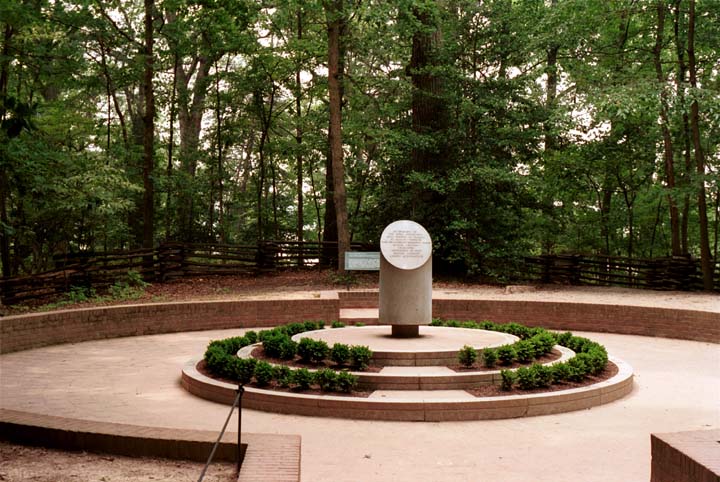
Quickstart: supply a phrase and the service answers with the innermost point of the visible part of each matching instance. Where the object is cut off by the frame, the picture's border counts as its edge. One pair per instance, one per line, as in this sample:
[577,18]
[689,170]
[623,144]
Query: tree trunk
[149,130]
[667,138]
[705,260]
[4,184]
[334,15]
[298,140]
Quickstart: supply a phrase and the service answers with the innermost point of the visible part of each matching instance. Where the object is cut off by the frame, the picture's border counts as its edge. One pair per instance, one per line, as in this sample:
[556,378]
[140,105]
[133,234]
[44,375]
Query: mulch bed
[259,353]
[202,368]
[494,390]
[482,391]
[550,357]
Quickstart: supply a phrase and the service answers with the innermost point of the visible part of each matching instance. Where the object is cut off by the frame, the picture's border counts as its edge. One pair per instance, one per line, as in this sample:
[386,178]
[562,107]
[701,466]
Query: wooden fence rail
[99,270]
[671,273]
[174,260]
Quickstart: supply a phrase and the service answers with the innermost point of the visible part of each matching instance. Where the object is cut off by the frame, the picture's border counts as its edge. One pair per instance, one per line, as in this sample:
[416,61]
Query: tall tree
[335,13]
[705,257]
[149,129]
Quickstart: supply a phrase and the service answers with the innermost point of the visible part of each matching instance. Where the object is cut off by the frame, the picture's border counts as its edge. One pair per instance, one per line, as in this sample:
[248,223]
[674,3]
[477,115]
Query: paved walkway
[136,381]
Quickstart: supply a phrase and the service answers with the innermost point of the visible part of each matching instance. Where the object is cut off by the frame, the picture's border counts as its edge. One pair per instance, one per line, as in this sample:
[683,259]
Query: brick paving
[135,381]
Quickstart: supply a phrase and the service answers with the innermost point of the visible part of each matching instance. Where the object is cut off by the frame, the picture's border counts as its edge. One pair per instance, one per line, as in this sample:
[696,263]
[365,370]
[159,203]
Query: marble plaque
[405,244]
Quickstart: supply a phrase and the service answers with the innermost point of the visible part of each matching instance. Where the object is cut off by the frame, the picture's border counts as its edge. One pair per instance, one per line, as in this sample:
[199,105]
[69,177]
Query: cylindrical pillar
[405,278]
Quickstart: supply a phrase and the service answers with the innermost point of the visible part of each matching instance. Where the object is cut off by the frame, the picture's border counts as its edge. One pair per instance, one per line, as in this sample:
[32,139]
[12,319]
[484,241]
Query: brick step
[352,316]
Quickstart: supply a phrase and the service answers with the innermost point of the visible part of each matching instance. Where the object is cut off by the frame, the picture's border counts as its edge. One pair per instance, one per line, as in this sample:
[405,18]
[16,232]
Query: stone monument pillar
[405,278]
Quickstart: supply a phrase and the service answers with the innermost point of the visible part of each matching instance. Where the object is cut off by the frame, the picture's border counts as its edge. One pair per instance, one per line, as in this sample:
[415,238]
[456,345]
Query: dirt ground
[21,463]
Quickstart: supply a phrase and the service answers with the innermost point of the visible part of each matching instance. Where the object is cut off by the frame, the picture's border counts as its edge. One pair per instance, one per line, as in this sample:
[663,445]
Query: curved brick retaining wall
[35,330]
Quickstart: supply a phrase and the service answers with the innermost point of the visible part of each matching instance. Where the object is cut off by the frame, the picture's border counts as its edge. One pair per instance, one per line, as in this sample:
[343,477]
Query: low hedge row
[278,343]
[533,343]
[590,358]
[221,359]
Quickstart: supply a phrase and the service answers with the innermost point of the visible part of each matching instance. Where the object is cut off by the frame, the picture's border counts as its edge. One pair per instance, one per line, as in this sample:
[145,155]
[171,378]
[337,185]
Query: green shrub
[577,368]
[303,378]
[291,329]
[543,375]
[314,325]
[488,325]
[526,378]
[560,372]
[326,379]
[360,356]
[288,349]
[283,375]
[359,324]
[517,329]
[508,378]
[437,322]
[452,323]
[244,369]
[337,324]
[251,337]
[217,362]
[264,373]
[346,382]
[470,325]
[597,359]
[312,351]
[506,354]
[320,351]
[525,351]
[467,356]
[490,357]
[563,339]
[543,342]
[305,349]
[340,353]
[273,342]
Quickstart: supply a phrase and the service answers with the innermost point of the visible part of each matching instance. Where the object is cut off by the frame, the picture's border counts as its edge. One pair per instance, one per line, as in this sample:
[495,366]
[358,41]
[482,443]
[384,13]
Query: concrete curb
[414,409]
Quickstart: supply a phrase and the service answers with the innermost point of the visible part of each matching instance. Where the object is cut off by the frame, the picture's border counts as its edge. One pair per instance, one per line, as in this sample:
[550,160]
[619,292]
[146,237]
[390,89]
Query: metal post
[240,392]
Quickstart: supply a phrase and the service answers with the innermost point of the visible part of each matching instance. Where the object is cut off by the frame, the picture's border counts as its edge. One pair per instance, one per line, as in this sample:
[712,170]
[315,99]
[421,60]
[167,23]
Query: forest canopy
[507,128]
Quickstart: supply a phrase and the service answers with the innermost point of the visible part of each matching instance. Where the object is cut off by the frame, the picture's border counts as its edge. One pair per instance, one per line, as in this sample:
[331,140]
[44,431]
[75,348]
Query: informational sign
[405,244]
[362,261]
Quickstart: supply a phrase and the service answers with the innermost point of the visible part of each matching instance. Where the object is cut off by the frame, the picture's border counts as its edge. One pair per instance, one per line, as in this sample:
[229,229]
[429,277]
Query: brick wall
[686,456]
[41,329]
[23,332]
[627,320]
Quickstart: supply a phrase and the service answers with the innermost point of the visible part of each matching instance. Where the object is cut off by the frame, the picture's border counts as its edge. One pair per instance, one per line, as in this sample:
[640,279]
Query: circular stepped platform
[436,345]
[415,392]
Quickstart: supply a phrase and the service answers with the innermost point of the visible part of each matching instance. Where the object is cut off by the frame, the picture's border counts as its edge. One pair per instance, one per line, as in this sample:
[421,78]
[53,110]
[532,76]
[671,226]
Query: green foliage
[490,357]
[303,378]
[360,356]
[346,382]
[525,351]
[273,343]
[326,379]
[340,353]
[337,324]
[506,354]
[251,336]
[264,373]
[526,378]
[244,369]
[312,351]
[508,379]
[543,375]
[283,375]
[543,343]
[288,349]
[467,356]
